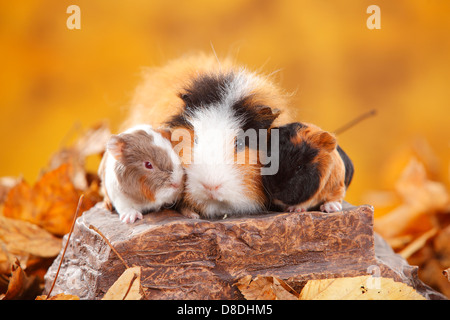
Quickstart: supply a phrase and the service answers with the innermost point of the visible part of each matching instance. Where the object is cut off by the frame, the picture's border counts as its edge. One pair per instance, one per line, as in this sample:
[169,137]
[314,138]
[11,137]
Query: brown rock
[185,258]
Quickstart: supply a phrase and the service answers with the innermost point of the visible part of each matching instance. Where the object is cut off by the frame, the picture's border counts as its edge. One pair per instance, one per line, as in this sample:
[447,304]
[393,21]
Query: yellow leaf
[358,288]
[126,287]
[420,196]
[59,296]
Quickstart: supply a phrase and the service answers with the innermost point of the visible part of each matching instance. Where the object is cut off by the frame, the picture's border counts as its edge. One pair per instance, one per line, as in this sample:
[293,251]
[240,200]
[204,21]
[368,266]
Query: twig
[355,121]
[129,286]
[117,253]
[80,200]
[109,244]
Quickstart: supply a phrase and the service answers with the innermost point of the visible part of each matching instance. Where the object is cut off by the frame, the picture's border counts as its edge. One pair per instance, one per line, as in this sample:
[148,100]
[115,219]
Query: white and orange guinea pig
[314,172]
[206,104]
[140,172]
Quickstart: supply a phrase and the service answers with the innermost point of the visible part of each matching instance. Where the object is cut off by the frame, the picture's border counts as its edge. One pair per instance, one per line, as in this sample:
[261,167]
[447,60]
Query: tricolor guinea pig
[140,172]
[208,105]
[314,172]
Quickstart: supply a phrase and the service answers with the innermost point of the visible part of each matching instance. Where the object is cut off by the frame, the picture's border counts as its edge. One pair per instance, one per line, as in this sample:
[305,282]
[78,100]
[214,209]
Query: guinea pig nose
[175,185]
[211,187]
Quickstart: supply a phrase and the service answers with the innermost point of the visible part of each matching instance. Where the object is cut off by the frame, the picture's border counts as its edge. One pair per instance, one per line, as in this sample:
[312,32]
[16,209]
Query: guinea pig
[140,172]
[314,172]
[210,107]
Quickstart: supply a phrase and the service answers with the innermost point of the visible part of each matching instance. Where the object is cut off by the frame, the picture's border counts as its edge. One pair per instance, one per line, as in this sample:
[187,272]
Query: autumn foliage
[34,218]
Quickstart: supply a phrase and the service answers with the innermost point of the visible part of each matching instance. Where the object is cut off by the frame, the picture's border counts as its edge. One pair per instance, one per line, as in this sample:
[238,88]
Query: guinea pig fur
[313,173]
[140,172]
[207,104]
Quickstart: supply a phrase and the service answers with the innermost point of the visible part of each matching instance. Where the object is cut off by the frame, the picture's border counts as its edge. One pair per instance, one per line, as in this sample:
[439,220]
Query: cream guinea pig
[140,172]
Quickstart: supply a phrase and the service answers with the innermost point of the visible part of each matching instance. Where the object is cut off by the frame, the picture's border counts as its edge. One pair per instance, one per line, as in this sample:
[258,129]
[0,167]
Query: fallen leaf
[420,196]
[20,285]
[50,203]
[441,246]
[265,288]
[23,237]
[418,243]
[430,272]
[59,296]
[6,183]
[358,288]
[91,142]
[127,287]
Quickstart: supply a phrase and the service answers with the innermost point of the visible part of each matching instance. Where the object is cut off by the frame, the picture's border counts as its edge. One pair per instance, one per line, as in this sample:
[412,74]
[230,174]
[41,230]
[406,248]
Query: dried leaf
[21,237]
[6,183]
[91,142]
[420,196]
[431,273]
[418,243]
[358,288]
[50,203]
[20,285]
[59,296]
[441,246]
[126,287]
[265,288]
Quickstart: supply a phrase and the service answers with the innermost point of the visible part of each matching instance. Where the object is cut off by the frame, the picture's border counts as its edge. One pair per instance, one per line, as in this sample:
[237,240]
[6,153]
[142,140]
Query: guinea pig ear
[166,133]
[115,146]
[325,140]
[267,115]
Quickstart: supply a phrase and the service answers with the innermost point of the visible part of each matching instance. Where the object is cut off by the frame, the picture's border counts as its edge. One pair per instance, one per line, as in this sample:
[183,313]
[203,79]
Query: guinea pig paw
[297,209]
[332,206]
[190,213]
[131,216]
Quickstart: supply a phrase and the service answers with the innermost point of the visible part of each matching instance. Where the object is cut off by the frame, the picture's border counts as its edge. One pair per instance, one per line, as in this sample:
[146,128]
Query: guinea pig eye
[239,144]
[184,97]
[148,165]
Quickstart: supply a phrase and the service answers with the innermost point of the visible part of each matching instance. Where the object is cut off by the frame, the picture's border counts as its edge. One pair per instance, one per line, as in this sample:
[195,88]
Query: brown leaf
[431,273]
[265,288]
[441,246]
[126,287]
[23,237]
[20,285]
[91,142]
[420,196]
[358,288]
[50,203]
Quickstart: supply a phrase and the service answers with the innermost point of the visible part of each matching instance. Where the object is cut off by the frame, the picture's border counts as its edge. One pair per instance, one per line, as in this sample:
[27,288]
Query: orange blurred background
[54,81]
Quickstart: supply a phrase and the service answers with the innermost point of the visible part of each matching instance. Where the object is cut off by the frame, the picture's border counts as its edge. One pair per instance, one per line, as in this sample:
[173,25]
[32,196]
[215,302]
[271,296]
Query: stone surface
[185,258]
